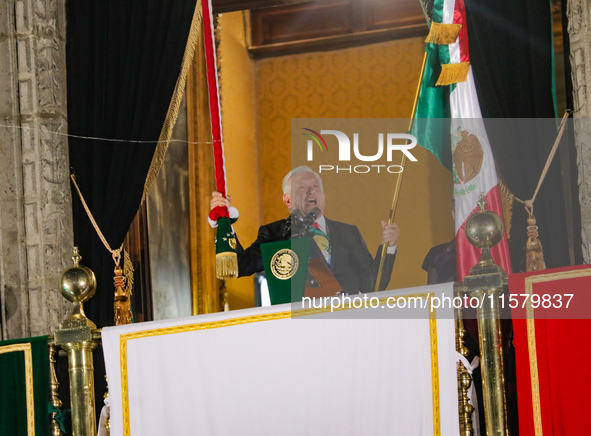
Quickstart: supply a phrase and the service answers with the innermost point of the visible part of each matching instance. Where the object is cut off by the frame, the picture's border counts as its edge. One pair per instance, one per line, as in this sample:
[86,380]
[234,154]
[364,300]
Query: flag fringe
[453,73]
[441,33]
[128,272]
[226,265]
[175,102]
[507,201]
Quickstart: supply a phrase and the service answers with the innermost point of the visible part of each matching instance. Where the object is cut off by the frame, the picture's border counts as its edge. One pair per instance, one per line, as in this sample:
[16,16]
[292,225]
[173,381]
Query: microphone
[296,213]
[311,217]
[292,221]
[298,226]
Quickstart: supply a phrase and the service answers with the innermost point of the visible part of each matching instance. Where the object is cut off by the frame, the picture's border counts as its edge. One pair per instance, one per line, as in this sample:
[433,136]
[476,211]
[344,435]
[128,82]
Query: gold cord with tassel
[534,254]
[122,306]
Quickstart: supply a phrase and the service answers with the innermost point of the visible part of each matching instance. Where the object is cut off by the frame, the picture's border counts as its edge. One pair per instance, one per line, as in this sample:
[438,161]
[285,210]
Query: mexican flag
[448,123]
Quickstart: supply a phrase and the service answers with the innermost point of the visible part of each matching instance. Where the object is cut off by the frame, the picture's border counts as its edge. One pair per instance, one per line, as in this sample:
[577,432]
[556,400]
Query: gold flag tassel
[226,265]
[534,254]
[453,73]
[226,260]
[440,33]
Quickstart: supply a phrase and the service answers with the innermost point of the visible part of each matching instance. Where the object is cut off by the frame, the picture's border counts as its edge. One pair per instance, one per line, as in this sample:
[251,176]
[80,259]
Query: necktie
[322,240]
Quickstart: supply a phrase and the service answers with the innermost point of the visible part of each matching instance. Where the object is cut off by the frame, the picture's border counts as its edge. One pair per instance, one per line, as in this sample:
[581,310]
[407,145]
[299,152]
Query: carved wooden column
[579,13]
[36,235]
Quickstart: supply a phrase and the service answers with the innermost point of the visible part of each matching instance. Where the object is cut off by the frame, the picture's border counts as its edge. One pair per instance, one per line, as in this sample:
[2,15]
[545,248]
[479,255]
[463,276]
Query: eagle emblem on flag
[467,156]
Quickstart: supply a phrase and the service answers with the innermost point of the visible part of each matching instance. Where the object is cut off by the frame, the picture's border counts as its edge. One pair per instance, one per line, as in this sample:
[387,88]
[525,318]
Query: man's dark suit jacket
[351,262]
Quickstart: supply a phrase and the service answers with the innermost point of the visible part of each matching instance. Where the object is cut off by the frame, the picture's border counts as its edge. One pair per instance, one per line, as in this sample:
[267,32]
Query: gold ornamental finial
[77,284]
[76,258]
[484,230]
[482,202]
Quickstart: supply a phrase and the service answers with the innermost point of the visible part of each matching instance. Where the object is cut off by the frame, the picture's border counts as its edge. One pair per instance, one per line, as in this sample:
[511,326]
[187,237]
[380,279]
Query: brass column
[53,387]
[465,409]
[486,282]
[81,370]
[78,336]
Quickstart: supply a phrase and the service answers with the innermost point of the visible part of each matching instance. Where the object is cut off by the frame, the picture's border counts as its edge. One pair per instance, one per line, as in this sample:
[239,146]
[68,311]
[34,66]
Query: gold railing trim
[534,377]
[271,317]
[435,373]
[28,381]
[531,338]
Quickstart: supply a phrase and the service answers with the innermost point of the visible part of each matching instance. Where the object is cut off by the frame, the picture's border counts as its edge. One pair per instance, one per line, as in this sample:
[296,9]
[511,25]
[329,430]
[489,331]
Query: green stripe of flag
[431,124]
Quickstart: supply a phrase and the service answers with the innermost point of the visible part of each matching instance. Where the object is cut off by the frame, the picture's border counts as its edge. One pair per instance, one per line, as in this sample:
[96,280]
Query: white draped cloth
[263,372]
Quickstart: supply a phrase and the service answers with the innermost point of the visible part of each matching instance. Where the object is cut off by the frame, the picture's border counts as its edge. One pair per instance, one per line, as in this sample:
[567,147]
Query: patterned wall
[375,81]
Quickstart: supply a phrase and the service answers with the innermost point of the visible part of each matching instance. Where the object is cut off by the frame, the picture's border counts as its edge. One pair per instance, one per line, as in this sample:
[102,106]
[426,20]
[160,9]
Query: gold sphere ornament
[484,229]
[77,284]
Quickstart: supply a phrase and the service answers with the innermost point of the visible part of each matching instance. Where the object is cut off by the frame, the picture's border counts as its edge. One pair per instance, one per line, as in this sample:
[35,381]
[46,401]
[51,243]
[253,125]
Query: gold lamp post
[78,336]
[484,229]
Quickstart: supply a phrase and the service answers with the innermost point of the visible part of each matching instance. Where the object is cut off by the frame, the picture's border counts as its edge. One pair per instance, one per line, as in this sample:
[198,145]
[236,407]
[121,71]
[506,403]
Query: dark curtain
[511,53]
[123,60]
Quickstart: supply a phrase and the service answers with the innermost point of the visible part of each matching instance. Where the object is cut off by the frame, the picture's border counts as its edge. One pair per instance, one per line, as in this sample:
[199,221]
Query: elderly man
[340,245]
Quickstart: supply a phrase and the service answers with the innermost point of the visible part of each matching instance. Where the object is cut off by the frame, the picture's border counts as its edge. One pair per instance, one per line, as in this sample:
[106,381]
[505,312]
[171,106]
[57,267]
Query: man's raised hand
[390,233]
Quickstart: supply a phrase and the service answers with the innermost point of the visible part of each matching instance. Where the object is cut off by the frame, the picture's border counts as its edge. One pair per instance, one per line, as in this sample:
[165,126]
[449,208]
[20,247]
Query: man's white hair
[302,169]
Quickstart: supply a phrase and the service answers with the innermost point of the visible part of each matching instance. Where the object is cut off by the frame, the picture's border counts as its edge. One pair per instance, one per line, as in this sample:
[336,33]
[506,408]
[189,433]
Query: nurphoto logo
[394,142]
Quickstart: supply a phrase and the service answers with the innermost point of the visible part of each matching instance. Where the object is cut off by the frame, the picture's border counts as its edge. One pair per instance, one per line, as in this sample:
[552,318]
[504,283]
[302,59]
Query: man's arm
[386,269]
[218,200]
[352,263]
[250,260]
[390,234]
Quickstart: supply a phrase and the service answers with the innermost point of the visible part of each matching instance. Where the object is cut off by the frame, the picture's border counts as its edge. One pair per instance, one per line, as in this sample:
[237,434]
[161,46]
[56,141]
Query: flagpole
[399,178]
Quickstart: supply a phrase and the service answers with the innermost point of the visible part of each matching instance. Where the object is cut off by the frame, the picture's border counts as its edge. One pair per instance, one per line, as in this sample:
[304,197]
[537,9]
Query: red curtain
[553,354]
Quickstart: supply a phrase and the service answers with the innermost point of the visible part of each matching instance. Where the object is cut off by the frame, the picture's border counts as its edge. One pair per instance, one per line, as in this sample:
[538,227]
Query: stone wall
[578,13]
[36,234]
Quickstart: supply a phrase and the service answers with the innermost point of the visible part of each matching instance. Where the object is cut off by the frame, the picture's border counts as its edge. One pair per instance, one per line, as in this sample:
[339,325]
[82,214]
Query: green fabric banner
[431,123]
[431,118]
[24,387]
[286,267]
